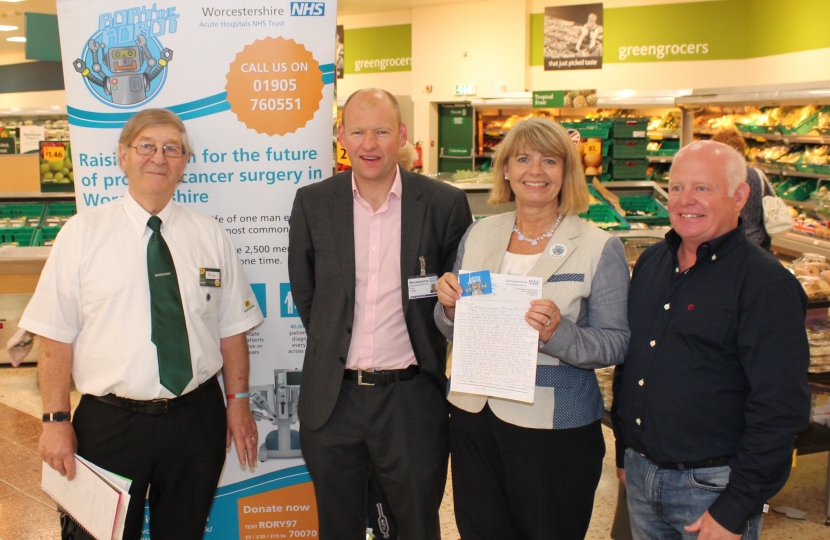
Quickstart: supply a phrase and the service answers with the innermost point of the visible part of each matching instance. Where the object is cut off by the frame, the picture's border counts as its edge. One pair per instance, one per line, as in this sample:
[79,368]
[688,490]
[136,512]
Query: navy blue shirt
[716,367]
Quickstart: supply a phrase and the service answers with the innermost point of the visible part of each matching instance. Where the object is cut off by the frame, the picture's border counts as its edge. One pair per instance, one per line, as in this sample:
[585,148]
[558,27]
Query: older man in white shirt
[142,302]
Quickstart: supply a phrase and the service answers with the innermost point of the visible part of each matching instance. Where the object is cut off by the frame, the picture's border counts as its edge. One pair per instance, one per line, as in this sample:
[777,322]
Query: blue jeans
[661,502]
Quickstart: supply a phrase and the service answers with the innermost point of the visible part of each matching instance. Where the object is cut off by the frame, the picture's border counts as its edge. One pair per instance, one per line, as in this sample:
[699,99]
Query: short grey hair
[154,118]
[735,169]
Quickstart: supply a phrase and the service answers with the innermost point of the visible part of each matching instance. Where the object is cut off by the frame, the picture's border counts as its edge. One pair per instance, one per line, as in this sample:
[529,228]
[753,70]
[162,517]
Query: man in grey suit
[374,374]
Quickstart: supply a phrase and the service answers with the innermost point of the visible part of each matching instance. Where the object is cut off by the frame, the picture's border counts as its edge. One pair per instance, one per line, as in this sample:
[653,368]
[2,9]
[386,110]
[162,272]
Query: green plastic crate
[46,236]
[798,190]
[592,130]
[629,148]
[805,167]
[20,236]
[629,128]
[802,128]
[669,147]
[32,213]
[764,130]
[605,215]
[600,198]
[644,204]
[629,169]
[784,184]
[63,211]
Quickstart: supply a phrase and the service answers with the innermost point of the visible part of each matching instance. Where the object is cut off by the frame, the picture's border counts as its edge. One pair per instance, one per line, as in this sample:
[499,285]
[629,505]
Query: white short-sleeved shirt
[94,293]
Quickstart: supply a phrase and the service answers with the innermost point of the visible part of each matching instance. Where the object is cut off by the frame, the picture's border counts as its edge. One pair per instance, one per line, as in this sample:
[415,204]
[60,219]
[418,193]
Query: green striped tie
[169,329]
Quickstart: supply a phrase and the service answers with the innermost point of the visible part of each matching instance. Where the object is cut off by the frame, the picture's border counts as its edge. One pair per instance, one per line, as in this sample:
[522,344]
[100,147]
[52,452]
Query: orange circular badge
[274,86]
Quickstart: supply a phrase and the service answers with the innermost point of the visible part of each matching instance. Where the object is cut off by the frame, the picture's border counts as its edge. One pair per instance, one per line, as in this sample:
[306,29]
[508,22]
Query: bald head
[721,160]
[707,191]
[369,98]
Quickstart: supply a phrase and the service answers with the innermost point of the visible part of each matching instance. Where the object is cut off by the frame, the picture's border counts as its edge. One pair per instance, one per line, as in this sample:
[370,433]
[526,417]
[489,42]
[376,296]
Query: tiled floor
[26,513]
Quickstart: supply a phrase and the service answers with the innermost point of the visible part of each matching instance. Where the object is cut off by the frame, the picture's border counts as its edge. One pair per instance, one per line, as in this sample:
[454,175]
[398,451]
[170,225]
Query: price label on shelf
[274,86]
[593,148]
[54,153]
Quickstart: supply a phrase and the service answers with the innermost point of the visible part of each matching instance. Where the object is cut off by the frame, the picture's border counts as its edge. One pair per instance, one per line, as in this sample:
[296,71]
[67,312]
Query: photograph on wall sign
[573,37]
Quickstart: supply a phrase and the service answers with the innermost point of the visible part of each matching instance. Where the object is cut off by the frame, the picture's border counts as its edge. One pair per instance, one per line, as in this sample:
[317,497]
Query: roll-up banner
[254,84]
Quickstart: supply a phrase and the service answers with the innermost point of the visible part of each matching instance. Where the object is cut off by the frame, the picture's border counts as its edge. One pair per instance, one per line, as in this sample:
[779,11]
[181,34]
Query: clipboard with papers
[96,499]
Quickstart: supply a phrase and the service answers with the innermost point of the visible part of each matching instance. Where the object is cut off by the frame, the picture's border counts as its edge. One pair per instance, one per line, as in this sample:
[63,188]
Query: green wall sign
[716,30]
[379,49]
[549,99]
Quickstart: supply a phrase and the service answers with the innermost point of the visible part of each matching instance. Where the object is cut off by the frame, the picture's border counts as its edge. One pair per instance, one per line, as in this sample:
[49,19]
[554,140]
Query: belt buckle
[165,402]
[360,377]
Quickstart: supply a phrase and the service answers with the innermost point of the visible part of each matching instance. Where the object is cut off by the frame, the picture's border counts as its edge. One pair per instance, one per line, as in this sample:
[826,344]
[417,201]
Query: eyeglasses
[150,150]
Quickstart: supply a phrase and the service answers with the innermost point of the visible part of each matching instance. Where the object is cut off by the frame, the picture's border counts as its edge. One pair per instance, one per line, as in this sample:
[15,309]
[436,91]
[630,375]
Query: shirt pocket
[200,300]
[706,324]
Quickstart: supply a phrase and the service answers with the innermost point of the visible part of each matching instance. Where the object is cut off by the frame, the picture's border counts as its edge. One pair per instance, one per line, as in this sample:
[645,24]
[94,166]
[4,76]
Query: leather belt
[685,465]
[369,377]
[157,406]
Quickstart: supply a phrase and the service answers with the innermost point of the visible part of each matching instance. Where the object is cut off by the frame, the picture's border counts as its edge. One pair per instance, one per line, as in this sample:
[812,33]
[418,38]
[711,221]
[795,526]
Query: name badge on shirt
[424,285]
[210,277]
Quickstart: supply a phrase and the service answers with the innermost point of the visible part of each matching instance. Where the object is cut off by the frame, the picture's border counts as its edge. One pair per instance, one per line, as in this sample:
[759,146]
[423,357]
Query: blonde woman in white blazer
[530,470]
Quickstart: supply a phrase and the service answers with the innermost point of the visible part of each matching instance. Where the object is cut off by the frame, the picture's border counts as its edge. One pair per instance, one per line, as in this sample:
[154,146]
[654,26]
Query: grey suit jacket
[321,265]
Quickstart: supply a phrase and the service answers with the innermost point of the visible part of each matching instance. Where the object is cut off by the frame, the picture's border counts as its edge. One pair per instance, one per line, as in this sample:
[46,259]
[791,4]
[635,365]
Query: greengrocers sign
[710,30]
[378,49]
[675,32]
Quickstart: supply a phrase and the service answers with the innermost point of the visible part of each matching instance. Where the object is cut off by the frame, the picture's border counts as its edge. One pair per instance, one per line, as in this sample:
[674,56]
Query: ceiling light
[18,39]
[4,28]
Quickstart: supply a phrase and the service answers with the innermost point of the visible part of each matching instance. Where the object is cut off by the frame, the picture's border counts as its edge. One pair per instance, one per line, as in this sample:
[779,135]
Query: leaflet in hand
[96,498]
[494,349]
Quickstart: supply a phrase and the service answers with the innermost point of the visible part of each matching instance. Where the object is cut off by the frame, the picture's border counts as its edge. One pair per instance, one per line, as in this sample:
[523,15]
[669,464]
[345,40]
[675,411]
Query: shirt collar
[712,248]
[139,216]
[397,186]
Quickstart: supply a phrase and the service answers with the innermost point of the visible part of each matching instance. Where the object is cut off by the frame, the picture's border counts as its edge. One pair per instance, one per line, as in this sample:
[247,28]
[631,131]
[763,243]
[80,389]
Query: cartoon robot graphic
[475,286]
[127,85]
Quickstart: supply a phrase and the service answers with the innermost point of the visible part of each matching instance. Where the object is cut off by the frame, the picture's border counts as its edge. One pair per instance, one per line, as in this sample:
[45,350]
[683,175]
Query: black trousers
[399,430]
[379,517]
[179,455]
[515,482]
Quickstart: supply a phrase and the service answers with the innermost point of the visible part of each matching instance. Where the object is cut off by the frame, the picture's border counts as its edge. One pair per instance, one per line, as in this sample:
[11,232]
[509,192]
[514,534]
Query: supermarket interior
[464,72]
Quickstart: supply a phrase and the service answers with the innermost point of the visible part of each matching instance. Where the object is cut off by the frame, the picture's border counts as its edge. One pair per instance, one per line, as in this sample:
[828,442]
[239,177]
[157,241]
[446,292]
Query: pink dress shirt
[379,336]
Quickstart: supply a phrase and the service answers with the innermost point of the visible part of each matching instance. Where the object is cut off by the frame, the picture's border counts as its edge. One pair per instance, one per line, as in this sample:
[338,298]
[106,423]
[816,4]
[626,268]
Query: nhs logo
[308,9]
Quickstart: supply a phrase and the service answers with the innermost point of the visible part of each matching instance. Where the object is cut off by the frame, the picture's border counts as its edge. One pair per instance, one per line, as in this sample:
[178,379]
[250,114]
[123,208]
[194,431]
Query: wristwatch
[57,417]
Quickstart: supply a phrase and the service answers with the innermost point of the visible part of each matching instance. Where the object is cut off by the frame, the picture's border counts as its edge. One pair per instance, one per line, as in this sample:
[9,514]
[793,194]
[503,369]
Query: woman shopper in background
[753,213]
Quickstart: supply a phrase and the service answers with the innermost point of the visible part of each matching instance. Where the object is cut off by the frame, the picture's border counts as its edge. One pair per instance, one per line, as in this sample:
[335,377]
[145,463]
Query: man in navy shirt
[714,385]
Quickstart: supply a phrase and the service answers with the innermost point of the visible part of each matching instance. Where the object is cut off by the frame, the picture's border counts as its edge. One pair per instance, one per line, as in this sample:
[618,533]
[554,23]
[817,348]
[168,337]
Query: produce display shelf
[9,196]
[799,139]
[660,159]
[657,135]
[771,171]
